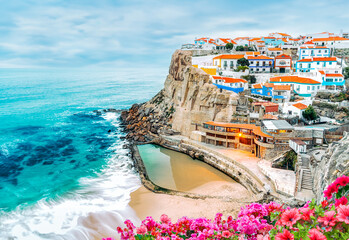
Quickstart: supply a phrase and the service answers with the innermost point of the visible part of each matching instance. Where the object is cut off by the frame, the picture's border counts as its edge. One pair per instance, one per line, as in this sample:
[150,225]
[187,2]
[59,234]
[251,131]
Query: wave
[97,206]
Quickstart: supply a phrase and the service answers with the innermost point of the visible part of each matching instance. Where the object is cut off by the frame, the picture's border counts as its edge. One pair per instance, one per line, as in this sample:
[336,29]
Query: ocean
[60,160]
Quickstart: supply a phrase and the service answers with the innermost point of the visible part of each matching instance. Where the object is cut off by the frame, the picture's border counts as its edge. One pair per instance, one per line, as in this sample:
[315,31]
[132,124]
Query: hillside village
[293,94]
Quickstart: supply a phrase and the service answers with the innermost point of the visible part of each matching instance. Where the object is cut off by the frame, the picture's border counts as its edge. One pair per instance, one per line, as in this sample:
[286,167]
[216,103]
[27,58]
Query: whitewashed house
[304,87]
[298,145]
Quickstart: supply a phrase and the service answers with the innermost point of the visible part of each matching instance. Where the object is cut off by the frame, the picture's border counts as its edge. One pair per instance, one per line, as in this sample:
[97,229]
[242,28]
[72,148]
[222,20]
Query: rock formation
[188,98]
[334,163]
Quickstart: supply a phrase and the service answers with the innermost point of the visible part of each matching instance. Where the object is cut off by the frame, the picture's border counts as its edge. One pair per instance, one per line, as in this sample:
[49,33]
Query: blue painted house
[278,93]
[236,85]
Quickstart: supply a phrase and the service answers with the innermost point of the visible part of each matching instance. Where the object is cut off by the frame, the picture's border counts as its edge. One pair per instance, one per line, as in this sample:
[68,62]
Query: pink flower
[142,230]
[109,238]
[328,219]
[315,234]
[286,235]
[307,213]
[342,201]
[261,237]
[226,234]
[343,214]
[290,217]
[165,219]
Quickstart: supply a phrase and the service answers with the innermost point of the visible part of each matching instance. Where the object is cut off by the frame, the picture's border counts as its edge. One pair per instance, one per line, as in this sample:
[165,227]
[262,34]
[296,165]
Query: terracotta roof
[319,59]
[334,75]
[270,116]
[256,130]
[252,53]
[269,85]
[309,42]
[257,86]
[330,39]
[274,49]
[284,34]
[283,56]
[282,87]
[298,141]
[300,106]
[322,72]
[229,56]
[259,57]
[233,80]
[293,79]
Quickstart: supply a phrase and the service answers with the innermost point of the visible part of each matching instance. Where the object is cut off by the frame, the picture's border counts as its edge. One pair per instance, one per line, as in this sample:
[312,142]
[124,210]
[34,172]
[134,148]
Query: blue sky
[131,33]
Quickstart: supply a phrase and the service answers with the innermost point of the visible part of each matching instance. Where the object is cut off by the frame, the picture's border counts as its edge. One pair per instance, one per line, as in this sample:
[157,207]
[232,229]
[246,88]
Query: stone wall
[333,164]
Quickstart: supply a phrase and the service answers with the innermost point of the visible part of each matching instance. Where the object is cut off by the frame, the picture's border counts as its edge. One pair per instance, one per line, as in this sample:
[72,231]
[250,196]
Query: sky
[133,33]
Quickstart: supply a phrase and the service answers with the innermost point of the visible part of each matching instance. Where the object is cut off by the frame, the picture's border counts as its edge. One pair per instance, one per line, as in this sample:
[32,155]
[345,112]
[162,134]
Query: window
[318,63]
[336,80]
[309,65]
[300,65]
[308,88]
[319,51]
[318,87]
[325,51]
[313,88]
[263,69]
[257,69]
[303,51]
[330,63]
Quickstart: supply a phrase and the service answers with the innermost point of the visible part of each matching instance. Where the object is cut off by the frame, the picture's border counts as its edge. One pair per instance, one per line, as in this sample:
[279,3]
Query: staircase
[306,179]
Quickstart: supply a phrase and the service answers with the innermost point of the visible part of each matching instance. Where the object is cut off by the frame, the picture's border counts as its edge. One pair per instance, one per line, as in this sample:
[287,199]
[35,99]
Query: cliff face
[334,163]
[188,98]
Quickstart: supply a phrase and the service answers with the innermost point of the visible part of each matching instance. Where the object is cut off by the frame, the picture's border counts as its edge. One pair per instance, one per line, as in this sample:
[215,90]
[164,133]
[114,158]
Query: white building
[298,145]
[314,64]
[313,51]
[227,61]
[304,87]
[283,63]
[332,42]
[236,85]
[272,52]
[293,109]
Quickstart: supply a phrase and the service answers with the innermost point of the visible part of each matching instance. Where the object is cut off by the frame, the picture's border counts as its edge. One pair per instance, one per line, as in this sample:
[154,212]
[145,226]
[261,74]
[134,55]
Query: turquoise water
[53,146]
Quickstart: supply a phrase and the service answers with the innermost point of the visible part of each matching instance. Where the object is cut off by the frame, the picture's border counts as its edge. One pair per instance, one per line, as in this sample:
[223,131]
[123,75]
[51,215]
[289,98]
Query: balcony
[263,144]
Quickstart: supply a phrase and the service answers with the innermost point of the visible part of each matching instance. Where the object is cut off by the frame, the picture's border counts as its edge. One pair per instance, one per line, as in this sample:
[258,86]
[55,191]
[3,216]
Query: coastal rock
[333,164]
[187,100]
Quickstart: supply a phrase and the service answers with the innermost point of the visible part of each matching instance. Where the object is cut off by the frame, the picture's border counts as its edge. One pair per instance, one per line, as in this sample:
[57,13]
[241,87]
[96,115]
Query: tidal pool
[177,171]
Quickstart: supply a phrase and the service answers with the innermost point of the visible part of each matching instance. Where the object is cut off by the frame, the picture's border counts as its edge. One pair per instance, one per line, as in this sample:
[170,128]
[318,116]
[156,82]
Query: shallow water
[60,160]
[178,171]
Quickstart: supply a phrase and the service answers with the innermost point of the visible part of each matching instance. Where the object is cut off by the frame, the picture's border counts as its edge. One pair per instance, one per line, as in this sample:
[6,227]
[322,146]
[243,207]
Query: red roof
[274,49]
[319,59]
[293,79]
[322,72]
[282,87]
[265,104]
[229,56]
[259,57]
[330,39]
[334,75]
[257,86]
[300,106]
[282,56]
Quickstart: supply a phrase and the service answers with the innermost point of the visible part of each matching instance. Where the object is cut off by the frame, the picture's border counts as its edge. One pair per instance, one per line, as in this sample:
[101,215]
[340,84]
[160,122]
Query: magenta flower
[290,217]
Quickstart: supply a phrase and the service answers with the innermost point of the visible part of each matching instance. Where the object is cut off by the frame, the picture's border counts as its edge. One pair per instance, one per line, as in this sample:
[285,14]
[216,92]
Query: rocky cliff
[187,99]
[333,164]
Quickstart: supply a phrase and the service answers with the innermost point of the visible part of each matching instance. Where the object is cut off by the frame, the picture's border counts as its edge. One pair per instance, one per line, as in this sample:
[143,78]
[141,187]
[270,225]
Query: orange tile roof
[229,56]
[293,79]
[269,85]
[309,42]
[330,39]
[252,53]
[300,106]
[255,129]
[257,86]
[274,49]
[322,72]
[311,47]
[334,75]
[270,116]
[284,34]
[319,59]
[233,80]
[282,87]
[259,57]
[283,56]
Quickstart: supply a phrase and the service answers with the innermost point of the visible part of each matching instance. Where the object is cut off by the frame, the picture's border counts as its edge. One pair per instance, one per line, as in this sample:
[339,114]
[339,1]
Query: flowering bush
[328,220]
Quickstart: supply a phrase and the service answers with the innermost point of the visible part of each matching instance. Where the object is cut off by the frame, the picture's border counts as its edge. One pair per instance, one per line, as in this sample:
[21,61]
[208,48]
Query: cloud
[87,33]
